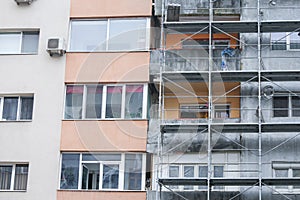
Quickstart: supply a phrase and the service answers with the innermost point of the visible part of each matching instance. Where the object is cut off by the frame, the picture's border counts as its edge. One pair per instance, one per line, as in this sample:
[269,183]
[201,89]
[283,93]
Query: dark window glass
[280,106]
[203,173]
[188,172]
[134,101]
[114,102]
[74,97]
[195,44]
[296,106]
[10,108]
[101,157]
[281,173]
[69,171]
[278,41]
[294,41]
[5,177]
[110,176]
[30,42]
[133,172]
[93,102]
[21,176]
[26,108]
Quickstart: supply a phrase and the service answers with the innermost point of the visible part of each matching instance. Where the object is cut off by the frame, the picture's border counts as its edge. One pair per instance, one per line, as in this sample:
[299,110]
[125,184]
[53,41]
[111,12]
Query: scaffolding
[220,127]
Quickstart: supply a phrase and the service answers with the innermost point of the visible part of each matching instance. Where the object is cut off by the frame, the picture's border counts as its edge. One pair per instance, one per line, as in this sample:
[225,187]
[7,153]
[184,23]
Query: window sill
[3,121]
[289,117]
[111,119]
[17,54]
[112,190]
[13,190]
[110,51]
[285,192]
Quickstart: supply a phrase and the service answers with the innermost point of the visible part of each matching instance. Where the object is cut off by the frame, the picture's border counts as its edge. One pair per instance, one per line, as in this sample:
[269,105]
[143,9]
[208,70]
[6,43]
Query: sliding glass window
[130,34]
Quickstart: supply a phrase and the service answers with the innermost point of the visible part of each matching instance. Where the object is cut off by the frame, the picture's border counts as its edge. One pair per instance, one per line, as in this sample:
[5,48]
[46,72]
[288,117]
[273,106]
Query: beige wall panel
[110,8]
[104,135]
[80,195]
[107,67]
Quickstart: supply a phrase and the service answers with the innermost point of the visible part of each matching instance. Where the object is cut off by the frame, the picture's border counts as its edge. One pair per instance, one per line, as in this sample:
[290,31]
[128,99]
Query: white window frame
[287,39]
[290,108]
[104,98]
[196,175]
[101,163]
[13,174]
[18,107]
[290,188]
[214,110]
[19,50]
[147,35]
[121,164]
[204,47]
[201,105]
[194,106]
[216,46]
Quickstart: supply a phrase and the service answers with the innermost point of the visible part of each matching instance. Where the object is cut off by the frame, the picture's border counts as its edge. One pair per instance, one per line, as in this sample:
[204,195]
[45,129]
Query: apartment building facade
[104,130]
[163,99]
[89,140]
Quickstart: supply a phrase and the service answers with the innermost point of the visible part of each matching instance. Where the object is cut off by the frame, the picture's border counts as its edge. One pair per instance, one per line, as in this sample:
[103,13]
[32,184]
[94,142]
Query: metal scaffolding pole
[159,137]
[209,136]
[259,99]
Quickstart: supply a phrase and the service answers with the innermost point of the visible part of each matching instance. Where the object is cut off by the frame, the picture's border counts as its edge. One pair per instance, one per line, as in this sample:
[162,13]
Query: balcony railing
[195,60]
[191,60]
[199,7]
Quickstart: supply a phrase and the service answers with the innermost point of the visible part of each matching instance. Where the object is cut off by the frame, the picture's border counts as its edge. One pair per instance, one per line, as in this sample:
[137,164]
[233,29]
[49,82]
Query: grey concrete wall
[270,12]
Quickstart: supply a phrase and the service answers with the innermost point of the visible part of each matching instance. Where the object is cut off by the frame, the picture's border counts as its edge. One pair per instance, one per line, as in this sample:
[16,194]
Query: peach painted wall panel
[110,8]
[107,67]
[172,105]
[91,195]
[104,135]
[174,40]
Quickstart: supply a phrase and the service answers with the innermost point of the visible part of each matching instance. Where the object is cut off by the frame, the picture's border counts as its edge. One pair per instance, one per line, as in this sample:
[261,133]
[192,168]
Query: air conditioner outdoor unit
[56,46]
[28,2]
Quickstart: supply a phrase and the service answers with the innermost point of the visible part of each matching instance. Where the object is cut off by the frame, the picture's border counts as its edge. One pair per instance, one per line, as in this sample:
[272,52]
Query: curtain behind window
[10,108]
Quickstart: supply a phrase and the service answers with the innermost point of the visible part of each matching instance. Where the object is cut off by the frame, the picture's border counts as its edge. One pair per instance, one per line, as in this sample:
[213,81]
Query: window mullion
[101,176]
[18,109]
[290,175]
[104,96]
[107,34]
[148,25]
[84,100]
[80,172]
[145,101]
[290,106]
[64,103]
[122,172]
[60,170]
[123,102]
[21,41]
[69,38]
[288,44]
[12,182]
[143,170]
[1,107]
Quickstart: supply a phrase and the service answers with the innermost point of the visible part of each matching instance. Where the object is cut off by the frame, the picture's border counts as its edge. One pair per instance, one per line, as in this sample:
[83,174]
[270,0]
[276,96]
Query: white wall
[36,142]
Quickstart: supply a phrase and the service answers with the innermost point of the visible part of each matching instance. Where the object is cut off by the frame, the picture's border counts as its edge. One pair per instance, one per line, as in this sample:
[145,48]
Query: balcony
[185,60]
[186,10]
